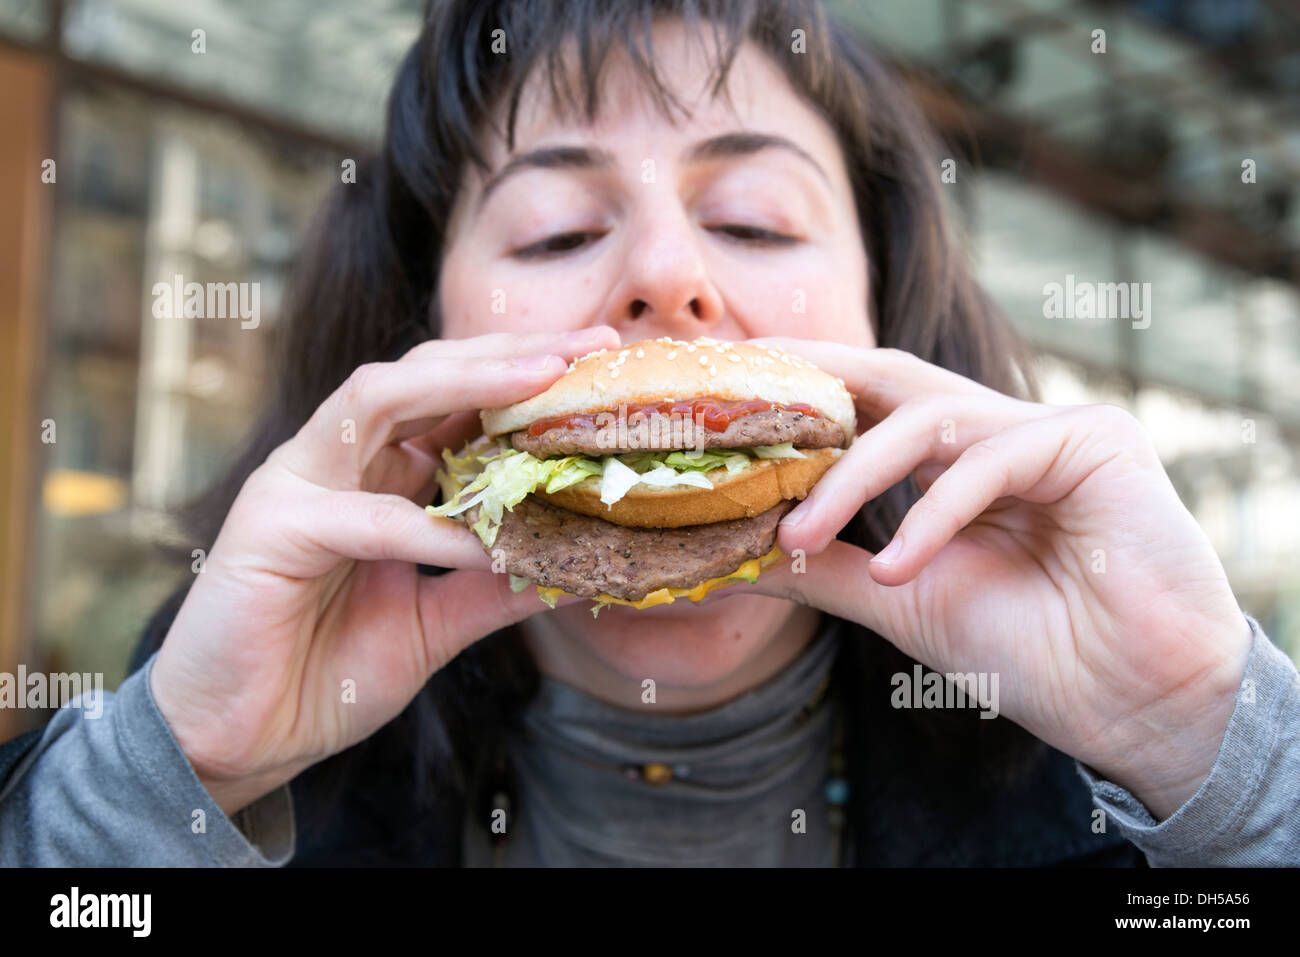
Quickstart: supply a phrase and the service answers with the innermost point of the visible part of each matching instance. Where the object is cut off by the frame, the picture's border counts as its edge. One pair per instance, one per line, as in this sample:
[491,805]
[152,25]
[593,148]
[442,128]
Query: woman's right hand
[309,627]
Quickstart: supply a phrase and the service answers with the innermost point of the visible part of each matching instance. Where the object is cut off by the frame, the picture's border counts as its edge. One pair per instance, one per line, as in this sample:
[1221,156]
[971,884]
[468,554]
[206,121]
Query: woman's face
[736,223]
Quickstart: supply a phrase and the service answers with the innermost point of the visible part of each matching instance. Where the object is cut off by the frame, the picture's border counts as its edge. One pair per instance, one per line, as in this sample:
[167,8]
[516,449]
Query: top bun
[657,370]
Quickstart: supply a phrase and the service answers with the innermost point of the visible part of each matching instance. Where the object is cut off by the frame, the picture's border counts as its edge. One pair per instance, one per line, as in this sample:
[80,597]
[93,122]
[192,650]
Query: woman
[556,178]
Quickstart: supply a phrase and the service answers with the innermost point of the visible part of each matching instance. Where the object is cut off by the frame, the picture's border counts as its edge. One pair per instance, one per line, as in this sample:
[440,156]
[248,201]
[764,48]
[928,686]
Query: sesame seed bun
[744,494]
[656,370]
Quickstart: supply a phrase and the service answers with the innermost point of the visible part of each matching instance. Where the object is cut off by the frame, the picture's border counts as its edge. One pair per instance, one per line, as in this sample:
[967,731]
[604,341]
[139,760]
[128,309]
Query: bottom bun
[744,494]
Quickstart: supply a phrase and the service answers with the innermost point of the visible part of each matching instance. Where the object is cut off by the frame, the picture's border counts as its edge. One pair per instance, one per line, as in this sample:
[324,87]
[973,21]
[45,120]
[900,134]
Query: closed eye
[562,243]
[557,245]
[753,235]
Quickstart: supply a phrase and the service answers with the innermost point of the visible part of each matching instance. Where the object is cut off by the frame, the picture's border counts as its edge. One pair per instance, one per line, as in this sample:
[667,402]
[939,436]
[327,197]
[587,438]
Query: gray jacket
[117,790]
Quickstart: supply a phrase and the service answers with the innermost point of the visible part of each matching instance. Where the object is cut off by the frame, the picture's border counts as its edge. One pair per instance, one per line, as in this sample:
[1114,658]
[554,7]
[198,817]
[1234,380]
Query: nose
[666,288]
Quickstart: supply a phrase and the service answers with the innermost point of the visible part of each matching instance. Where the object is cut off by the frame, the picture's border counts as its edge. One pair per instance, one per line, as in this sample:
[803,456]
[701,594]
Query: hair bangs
[487,61]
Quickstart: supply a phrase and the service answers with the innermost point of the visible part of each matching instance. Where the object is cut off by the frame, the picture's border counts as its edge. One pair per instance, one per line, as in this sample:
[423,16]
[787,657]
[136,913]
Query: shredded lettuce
[666,477]
[617,481]
[492,475]
[577,470]
[703,462]
[506,479]
[785,450]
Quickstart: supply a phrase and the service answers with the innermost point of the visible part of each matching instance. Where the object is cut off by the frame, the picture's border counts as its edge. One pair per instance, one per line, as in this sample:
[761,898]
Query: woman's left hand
[1049,547]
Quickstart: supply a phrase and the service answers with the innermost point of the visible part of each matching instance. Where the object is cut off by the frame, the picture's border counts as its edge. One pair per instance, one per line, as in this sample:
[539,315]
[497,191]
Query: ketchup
[716,413]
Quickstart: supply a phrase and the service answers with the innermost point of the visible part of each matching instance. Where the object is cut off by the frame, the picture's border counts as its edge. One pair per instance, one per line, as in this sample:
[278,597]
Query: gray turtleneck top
[118,790]
[748,785]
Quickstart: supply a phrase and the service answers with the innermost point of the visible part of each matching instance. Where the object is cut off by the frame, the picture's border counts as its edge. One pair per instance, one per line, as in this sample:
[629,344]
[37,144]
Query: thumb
[459,608]
[838,581]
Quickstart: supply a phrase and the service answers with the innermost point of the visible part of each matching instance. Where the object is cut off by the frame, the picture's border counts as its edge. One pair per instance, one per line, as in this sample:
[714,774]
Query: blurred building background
[1162,150]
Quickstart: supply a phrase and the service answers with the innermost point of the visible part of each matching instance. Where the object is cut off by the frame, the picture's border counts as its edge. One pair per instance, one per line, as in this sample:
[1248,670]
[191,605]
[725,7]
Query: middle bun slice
[744,494]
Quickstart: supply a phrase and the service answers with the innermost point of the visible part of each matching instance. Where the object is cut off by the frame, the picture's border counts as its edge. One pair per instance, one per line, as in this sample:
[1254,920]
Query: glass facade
[325,65]
[150,406]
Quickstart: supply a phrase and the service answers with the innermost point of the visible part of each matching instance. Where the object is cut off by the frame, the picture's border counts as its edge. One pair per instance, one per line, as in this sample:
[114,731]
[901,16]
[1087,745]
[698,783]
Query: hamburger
[649,473]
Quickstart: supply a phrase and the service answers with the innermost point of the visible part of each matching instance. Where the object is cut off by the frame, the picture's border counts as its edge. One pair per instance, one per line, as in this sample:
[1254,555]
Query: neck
[568,659]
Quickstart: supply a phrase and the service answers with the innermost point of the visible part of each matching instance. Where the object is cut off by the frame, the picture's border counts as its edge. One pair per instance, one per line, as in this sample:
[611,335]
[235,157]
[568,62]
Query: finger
[926,474]
[880,380]
[348,430]
[409,468]
[838,581]
[451,433]
[385,402]
[509,345]
[464,606]
[935,429]
[1036,462]
[464,420]
[404,469]
[501,345]
[375,527]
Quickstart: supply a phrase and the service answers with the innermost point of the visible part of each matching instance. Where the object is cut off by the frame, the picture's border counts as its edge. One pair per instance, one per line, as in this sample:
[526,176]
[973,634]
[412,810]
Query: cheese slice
[666,596]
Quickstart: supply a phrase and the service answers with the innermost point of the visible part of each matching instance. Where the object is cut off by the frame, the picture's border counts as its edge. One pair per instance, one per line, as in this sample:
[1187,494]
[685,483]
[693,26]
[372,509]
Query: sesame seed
[690,347]
[625,353]
[640,353]
[614,374]
[734,358]
[601,386]
[671,355]
[773,353]
[713,370]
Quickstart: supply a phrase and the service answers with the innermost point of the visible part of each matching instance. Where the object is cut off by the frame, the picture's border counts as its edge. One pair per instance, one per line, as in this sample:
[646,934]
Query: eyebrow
[732,145]
[726,146]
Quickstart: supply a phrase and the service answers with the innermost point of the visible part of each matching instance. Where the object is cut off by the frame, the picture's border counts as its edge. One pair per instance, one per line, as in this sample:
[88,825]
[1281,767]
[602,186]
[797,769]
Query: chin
[682,645]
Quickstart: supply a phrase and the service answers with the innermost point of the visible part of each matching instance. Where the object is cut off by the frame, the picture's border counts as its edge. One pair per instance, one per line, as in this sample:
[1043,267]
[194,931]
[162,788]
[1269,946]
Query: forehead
[757,96]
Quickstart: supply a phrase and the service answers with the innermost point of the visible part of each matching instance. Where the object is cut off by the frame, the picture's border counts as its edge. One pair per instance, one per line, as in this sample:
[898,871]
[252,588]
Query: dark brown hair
[365,290]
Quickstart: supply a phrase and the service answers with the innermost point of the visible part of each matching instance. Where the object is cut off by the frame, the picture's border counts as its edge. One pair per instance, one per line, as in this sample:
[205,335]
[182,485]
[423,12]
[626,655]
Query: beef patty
[757,428]
[586,556]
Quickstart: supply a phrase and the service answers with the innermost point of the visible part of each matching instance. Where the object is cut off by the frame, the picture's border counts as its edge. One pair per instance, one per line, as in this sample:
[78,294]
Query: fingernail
[889,554]
[795,515]
[536,363]
[584,335]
